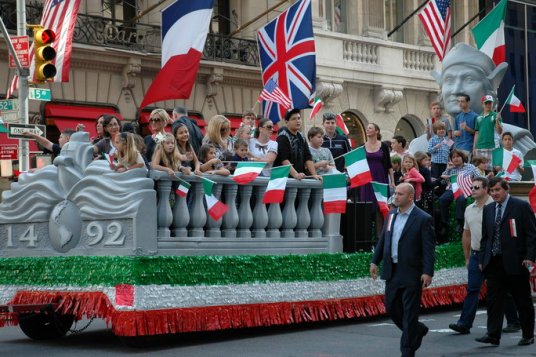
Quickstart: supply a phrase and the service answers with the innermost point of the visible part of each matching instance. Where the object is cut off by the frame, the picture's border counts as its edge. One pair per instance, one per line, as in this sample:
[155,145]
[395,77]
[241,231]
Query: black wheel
[45,325]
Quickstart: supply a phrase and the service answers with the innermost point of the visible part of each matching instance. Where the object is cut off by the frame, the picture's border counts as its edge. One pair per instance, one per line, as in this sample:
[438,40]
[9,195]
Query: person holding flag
[508,161]
[486,125]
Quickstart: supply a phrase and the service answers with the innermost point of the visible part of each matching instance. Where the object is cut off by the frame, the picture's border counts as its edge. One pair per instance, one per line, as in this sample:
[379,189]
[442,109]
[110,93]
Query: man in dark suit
[407,248]
[507,249]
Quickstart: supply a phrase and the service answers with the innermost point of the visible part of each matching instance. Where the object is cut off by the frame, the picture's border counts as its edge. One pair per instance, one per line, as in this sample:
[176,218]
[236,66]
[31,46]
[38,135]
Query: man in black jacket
[335,142]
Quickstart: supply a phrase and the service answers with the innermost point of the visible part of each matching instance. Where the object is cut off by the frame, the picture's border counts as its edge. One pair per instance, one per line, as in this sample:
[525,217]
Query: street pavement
[369,338]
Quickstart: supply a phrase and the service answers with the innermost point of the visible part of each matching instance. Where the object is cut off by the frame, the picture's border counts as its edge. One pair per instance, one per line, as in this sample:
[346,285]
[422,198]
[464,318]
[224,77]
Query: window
[336,11]
[394,14]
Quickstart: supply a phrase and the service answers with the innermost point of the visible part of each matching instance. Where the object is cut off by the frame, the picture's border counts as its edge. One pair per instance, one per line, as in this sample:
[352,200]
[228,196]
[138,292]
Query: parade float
[79,240]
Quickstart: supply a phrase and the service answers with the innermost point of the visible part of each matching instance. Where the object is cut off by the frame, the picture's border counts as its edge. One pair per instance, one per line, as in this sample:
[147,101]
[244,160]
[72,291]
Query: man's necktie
[496,244]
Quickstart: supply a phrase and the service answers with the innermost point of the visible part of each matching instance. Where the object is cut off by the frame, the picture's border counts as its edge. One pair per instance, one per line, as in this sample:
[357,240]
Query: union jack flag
[272,93]
[287,54]
[60,17]
[435,18]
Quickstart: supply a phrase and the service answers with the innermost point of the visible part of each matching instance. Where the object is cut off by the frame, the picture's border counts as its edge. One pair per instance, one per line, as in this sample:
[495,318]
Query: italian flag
[357,166]
[341,126]
[317,105]
[275,192]
[456,190]
[334,193]
[216,208]
[515,104]
[246,172]
[381,191]
[183,188]
[489,34]
[111,160]
[505,159]
[3,128]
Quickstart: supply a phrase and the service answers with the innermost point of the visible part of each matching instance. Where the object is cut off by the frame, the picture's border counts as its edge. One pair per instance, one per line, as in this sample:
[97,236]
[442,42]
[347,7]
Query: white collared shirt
[398,227]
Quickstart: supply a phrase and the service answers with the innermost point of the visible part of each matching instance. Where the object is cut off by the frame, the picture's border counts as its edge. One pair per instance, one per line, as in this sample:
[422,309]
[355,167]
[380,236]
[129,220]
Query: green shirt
[485,125]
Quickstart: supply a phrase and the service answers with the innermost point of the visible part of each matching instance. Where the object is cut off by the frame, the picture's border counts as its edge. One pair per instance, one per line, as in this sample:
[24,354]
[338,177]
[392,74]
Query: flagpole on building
[241,27]
[24,154]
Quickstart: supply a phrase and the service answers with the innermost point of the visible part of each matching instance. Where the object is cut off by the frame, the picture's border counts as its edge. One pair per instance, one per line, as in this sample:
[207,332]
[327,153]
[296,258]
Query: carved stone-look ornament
[327,92]
[386,98]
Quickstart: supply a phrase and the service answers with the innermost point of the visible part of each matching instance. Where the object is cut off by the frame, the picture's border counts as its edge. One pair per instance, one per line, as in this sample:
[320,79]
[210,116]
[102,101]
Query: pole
[406,19]
[146,11]
[241,27]
[24,152]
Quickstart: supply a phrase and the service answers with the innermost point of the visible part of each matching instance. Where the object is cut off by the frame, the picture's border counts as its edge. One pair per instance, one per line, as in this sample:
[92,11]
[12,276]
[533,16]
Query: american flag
[60,17]
[287,54]
[337,16]
[435,17]
[272,93]
[465,181]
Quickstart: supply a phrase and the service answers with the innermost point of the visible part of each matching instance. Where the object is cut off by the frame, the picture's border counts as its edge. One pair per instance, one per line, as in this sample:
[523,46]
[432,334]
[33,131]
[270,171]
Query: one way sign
[16,130]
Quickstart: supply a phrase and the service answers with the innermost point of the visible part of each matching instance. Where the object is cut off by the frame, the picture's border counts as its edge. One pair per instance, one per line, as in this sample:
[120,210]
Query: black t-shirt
[292,148]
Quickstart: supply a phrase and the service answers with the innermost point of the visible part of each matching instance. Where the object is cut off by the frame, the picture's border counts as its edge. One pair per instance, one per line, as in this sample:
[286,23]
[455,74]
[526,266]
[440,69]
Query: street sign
[16,130]
[40,94]
[9,152]
[9,105]
[21,45]
[9,117]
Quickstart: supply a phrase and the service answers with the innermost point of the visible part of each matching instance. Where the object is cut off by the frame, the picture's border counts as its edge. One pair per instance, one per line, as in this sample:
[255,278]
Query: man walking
[507,250]
[472,233]
[407,249]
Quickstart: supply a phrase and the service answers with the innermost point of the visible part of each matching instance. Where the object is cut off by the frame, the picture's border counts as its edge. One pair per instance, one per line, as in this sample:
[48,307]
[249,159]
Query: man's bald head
[404,194]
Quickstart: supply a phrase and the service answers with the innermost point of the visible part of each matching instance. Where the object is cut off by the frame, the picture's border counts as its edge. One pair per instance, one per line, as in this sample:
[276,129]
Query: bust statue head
[466,70]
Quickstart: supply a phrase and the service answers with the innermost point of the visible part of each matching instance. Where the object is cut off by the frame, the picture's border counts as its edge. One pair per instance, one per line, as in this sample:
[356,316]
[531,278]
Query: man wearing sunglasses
[472,233]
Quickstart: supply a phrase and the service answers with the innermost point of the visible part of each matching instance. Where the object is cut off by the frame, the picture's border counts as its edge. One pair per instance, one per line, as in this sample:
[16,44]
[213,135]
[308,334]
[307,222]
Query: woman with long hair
[106,145]
[219,135]
[158,120]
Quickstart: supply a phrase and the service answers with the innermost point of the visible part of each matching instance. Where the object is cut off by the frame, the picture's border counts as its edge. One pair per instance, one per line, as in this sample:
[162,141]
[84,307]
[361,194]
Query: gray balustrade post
[213,228]
[260,214]
[244,211]
[181,216]
[303,212]
[289,213]
[331,230]
[275,219]
[198,212]
[230,219]
[317,215]
[164,214]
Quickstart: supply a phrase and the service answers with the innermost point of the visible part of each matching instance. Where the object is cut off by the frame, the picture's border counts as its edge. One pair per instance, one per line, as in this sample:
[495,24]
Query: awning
[67,116]
[4,140]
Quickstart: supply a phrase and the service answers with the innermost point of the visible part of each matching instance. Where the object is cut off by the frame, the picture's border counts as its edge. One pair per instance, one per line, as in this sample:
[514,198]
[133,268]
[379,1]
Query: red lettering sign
[9,152]
[21,45]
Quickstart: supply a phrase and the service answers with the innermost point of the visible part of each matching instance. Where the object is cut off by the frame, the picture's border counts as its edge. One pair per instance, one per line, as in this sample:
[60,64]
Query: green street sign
[40,94]
[9,105]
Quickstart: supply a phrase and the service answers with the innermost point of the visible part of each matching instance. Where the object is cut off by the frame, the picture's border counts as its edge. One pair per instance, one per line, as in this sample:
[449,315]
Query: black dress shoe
[526,341]
[488,339]
[511,328]
[462,330]
[423,332]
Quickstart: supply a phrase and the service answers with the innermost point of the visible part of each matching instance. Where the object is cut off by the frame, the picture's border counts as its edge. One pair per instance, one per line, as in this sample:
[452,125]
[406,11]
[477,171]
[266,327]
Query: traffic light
[44,53]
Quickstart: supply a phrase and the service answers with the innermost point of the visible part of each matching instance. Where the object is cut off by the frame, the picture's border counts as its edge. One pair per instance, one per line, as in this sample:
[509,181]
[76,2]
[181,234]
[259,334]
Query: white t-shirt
[260,150]
[515,175]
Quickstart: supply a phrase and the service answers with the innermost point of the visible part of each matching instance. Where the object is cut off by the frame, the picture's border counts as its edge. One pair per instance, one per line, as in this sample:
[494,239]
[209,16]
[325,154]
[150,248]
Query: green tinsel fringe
[198,270]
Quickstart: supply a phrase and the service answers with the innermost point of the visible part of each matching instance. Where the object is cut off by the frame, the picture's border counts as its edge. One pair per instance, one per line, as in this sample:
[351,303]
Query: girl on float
[128,156]
[167,158]
[189,157]
[210,163]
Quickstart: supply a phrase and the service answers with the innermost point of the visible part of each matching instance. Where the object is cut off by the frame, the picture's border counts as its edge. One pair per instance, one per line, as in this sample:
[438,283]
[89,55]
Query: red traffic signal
[44,54]
[44,36]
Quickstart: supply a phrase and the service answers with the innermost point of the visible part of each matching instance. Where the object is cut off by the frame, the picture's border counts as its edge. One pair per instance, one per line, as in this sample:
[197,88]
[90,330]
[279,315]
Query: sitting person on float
[411,175]
[240,153]
[54,148]
[107,145]
[210,164]
[189,158]
[262,147]
[426,201]
[439,148]
[167,158]
[322,158]
[482,163]
[507,141]
[244,132]
[128,156]
[398,147]
[158,120]
[219,136]
[99,128]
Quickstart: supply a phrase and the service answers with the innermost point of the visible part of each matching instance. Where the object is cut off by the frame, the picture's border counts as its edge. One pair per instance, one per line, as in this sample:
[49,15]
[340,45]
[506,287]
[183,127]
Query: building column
[374,19]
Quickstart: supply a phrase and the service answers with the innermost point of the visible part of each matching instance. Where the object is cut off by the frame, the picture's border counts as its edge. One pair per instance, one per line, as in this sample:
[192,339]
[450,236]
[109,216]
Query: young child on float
[127,154]
[396,164]
[439,148]
[244,133]
[241,151]
[188,157]
[209,163]
[411,174]
[322,157]
[167,158]
[482,163]
[507,141]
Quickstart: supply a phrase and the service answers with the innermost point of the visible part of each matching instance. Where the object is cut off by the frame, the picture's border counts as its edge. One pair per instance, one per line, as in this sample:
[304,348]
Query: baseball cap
[487,98]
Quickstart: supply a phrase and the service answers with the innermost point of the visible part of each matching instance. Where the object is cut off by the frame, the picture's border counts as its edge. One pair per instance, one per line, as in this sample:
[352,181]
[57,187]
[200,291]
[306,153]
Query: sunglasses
[155,119]
[268,127]
[475,187]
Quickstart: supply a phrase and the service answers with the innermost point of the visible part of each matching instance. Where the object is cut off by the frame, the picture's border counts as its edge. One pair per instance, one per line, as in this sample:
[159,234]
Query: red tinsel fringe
[211,318]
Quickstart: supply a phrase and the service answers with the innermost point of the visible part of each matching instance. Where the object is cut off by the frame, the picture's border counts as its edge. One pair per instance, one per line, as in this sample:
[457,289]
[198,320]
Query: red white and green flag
[317,105]
[515,104]
[111,160]
[183,188]
[246,172]
[456,189]
[341,126]
[216,208]
[381,191]
[357,167]
[275,191]
[334,193]
[489,33]
[505,159]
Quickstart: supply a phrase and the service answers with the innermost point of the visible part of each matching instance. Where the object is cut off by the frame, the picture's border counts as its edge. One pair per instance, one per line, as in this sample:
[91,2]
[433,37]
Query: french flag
[185,25]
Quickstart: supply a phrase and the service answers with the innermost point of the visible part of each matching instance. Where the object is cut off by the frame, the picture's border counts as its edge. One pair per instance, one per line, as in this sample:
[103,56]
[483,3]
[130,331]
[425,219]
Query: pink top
[416,179]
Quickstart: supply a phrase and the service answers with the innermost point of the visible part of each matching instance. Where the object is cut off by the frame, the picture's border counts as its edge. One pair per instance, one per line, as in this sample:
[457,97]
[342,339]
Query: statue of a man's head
[467,70]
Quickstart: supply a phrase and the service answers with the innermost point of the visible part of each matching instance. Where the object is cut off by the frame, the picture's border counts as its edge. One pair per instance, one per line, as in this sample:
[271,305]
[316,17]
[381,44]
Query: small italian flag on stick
[183,188]
[317,105]
[246,172]
[275,191]
[357,166]
[515,104]
[456,190]
[505,159]
[216,208]
[334,193]
[381,191]
[111,160]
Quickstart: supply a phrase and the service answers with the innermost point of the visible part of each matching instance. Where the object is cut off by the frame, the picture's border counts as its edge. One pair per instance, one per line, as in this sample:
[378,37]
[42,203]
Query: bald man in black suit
[407,249]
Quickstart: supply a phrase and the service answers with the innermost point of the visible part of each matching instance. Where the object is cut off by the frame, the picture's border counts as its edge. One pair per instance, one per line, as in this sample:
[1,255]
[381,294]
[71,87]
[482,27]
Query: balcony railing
[108,32]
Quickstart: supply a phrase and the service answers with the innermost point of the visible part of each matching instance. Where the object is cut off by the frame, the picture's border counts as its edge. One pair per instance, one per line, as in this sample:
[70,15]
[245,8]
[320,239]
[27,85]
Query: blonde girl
[210,164]
[188,158]
[219,135]
[411,174]
[244,132]
[128,155]
[167,157]
[158,120]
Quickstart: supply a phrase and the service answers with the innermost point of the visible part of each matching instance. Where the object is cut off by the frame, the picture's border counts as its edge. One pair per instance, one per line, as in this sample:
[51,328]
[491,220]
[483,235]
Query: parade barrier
[79,240]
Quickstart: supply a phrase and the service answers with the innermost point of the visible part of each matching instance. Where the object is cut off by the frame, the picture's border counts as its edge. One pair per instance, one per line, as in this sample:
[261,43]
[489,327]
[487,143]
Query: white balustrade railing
[360,51]
[419,60]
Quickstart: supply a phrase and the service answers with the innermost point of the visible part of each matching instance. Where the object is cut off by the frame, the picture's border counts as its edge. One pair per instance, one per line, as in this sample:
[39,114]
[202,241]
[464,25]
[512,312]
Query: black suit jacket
[416,248]
[517,244]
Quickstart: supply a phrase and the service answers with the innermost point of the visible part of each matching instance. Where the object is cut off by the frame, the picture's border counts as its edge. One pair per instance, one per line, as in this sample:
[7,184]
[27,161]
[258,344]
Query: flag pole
[241,27]
[509,94]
